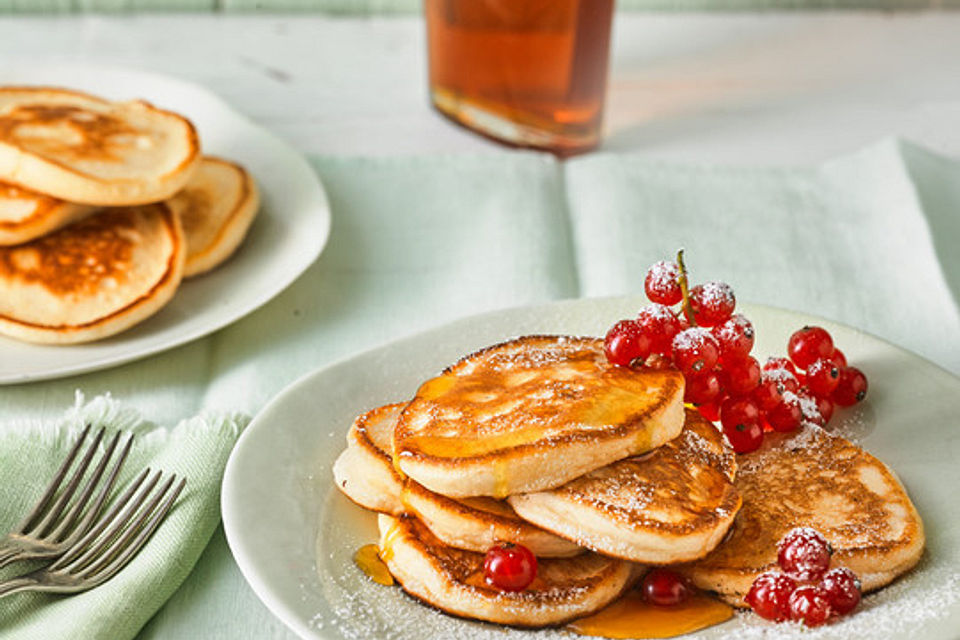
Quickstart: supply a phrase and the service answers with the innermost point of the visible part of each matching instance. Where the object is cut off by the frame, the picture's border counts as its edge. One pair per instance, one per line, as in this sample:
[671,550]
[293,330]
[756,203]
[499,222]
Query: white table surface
[745,89]
[751,89]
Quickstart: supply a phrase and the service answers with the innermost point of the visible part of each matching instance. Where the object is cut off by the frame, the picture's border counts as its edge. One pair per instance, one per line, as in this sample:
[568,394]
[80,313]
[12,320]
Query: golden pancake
[25,214]
[812,478]
[533,414]
[80,148]
[364,472]
[452,579]
[216,208]
[673,504]
[93,278]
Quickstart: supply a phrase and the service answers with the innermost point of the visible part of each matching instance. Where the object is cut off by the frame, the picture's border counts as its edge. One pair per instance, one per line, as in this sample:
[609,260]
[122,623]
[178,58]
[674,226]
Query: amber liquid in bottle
[530,73]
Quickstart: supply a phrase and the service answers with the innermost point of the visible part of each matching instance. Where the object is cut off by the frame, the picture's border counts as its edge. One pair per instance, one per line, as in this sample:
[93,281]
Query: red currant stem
[685,290]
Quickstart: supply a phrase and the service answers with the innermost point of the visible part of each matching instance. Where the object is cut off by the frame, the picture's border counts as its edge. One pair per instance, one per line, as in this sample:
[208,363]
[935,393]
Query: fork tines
[116,537]
[61,516]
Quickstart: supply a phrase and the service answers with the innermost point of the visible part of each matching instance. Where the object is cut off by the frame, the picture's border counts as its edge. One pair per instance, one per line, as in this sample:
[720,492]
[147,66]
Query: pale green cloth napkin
[30,453]
[865,239]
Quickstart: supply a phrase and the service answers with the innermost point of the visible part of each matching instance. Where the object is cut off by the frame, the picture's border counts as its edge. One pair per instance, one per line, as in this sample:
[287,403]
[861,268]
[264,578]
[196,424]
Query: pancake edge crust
[877,563]
[50,215]
[50,177]
[364,473]
[148,303]
[416,566]
[546,463]
[234,228]
[585,518]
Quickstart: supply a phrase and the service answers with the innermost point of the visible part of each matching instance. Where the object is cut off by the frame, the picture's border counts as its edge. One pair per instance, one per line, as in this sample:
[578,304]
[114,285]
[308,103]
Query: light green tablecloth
[865,239]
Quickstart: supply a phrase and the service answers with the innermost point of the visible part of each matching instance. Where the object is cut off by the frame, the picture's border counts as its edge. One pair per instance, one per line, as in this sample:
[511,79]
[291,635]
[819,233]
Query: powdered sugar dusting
[910,606]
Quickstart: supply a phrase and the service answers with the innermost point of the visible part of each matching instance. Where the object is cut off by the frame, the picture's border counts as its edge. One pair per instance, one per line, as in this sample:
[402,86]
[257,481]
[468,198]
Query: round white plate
[286,237]
[293,534]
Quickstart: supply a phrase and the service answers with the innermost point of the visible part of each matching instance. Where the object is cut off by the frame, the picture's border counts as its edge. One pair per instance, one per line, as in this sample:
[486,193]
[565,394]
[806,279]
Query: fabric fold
[196,448]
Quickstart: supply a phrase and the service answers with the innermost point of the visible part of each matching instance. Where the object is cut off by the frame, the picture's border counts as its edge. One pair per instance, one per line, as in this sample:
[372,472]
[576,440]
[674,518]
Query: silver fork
[51,527]
[109,545]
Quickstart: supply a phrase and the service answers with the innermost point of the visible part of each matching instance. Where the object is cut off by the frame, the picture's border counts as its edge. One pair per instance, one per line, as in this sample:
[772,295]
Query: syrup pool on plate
[631,616]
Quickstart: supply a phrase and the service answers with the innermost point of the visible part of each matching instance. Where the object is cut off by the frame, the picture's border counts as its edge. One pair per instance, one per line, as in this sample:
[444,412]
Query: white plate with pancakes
[285,238]
[294,535]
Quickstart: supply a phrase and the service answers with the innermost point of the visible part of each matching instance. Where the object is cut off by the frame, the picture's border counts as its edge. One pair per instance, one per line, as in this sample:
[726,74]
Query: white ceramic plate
[285,239]
[293,534]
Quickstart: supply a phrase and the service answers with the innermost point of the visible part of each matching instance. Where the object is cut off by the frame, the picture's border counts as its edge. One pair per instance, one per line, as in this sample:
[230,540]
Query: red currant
[842,588]
[740,376]
[767,395]
[737,411]
[659,324]
[822,377]
[662,283]
[625,342]
[784,380]
[825,407]
[769,595]
[809,411]
[710,410]
[509,567]
[744,437]
[838,358]
[695,350]
[664,588]
[701,388]
[712,303]
[851,388]
[809,605]
[735,337]
[804,554]
[809,344]
[786,415]
[775,364]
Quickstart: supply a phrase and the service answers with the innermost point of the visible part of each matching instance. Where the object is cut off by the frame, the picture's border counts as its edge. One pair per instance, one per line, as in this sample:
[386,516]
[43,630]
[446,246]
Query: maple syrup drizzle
[501,480]
[633,617]
[388,540]
[368,559]
[372,559]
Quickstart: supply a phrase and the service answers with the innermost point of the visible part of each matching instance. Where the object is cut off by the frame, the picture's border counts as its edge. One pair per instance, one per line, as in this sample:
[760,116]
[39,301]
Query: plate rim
[265,591]
[322,214]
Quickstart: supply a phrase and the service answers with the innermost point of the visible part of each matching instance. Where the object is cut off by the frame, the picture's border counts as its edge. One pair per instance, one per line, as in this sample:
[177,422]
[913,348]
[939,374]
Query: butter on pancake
[25,214]
[83,149]
[216,208]
[92,279]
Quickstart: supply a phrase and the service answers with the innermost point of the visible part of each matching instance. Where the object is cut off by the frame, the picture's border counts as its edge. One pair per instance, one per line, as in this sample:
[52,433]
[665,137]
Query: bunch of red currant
[711,346]
[806,589]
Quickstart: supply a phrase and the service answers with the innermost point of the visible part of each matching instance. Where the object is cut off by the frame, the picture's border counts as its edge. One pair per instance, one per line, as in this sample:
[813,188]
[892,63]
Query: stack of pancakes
[104,208]
[602,473]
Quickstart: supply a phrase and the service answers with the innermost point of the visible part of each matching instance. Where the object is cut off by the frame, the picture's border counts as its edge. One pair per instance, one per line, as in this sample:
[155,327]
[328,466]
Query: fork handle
[14,585]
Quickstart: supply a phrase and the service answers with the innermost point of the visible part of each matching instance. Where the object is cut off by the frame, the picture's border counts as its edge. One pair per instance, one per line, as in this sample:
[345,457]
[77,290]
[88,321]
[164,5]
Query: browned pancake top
[527,391]
[77,259]
[814,479]
[682,486]
[81,133]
